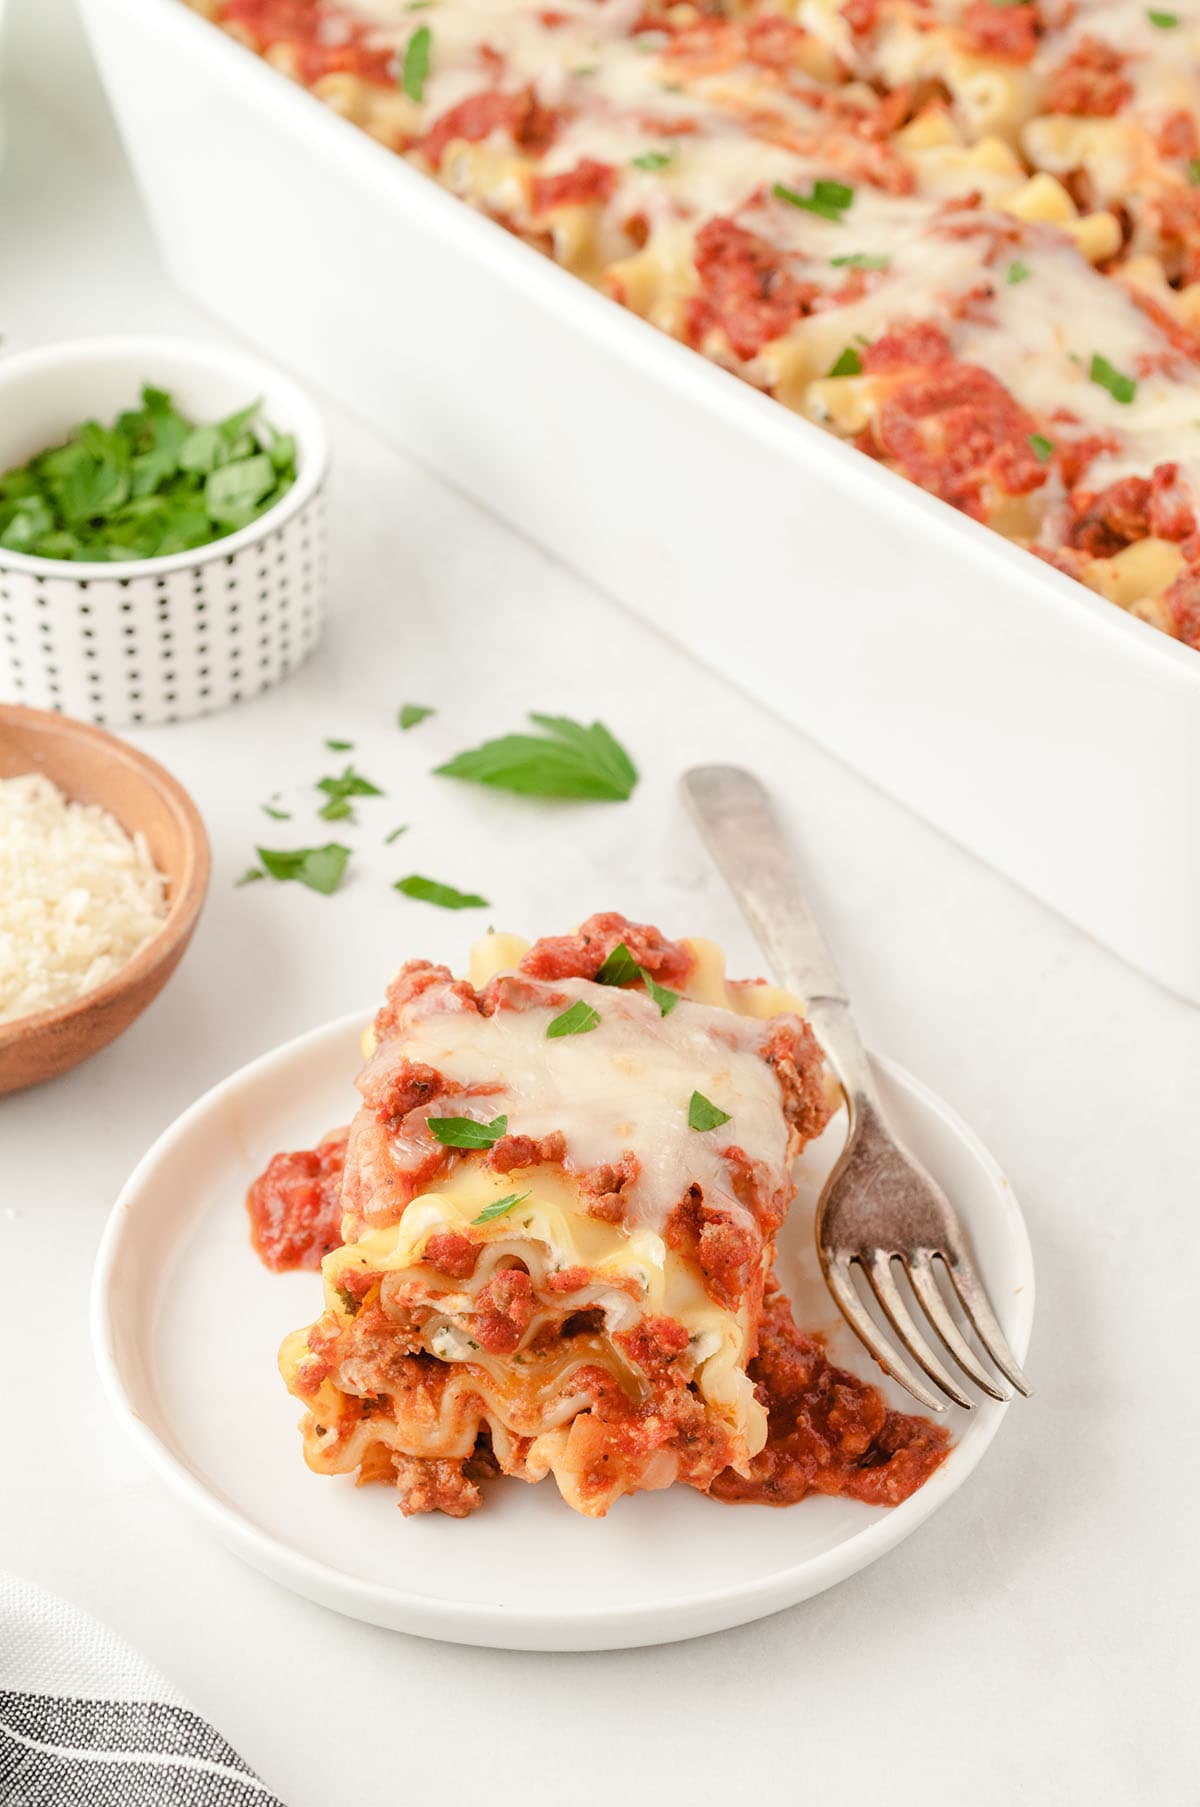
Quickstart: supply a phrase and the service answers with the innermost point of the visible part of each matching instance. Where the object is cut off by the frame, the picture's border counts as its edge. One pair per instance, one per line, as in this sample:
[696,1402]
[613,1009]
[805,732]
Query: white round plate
[186,1323]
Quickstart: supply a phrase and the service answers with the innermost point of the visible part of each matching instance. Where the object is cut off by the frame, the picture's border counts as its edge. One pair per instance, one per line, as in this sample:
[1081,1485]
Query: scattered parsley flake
[860,260]
[1042,448]
[276,815]
[395,834]
[620,968]
[340,746]
[416,63]
[428,890]
[499,1206]
[251,873]
[566,760]
[848,363]
[350,1304]
[465,1132]
[410,715]
[1017,272]
[652,160]
[1121,388]
[320,868]
[577,1019]
[703,1114]
[829,199]
[340,789]
[1164,21]
[1193,171]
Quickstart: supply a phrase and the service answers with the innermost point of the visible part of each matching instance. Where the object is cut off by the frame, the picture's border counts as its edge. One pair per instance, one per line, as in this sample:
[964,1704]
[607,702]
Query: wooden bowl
[90,766]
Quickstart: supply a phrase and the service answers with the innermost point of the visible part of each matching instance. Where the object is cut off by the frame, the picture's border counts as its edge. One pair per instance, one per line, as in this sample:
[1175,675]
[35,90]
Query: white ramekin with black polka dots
[160,639]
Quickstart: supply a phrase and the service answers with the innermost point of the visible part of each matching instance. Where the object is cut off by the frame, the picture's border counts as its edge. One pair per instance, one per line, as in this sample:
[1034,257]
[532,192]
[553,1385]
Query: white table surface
[1037,1639]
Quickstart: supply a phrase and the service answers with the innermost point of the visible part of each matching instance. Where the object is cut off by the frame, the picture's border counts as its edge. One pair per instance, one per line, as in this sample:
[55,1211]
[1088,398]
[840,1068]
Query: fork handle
[741,830]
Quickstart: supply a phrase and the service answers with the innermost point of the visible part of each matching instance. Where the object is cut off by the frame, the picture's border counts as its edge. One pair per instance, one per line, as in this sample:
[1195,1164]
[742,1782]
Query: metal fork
[879,1207]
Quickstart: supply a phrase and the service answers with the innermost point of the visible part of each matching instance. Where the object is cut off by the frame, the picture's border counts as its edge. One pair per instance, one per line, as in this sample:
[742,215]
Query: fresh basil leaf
[860,260]
[1164,21]
[320,868]
[251,874]
[567,760]
[428,890]
[577,1019]
[276,815]
[416,63]
[465,1132]
[499,1206]
[1017,272]
[652,160]
[340,746]
[410,715]
[703,1114]
[1042,448]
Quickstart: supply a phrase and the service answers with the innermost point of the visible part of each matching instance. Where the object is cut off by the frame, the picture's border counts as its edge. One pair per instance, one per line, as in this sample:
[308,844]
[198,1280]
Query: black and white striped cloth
[85,1722]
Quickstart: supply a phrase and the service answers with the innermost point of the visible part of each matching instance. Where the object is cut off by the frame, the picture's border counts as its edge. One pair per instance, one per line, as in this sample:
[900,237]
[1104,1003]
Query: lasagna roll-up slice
[560,1199]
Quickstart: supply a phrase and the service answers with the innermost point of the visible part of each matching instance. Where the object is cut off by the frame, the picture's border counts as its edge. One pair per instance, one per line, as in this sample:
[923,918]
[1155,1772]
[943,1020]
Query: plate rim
[486,1623]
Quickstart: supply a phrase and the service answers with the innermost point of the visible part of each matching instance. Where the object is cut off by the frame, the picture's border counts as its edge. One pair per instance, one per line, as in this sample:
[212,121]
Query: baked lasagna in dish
[546,1240]
[962,234]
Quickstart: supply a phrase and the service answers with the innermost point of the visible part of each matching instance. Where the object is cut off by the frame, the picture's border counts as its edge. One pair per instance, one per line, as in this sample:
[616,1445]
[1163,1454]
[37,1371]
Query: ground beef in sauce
[829,1431]
[295,1205]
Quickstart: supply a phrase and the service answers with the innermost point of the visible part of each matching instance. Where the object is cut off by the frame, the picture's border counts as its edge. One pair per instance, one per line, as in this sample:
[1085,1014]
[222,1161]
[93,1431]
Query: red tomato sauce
[295,1205]
[304,26]
[829,1432]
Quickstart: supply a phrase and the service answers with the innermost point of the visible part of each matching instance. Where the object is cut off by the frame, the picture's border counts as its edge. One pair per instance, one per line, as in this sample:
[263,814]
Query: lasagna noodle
[964,236]
[600,1327]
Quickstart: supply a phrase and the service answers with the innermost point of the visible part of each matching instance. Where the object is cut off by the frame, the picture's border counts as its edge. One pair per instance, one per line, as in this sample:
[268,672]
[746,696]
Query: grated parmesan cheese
[78,896]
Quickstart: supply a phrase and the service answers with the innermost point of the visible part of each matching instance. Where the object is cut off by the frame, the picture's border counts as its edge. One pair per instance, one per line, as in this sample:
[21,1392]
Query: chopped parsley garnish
[848,364]
[410,715]
[566,760]
[416,63]
[499,1206]
[620,968]
[577,1019]
[860,260]
[276,815]
[829,199]
[320,868]
[1042,448]
[652,160]
[1164,21]
[703,1113]
[340,746]
[250,875]
[428,890]
[465,1132]
[153,483]
[1017,272]
[1121,388]
[395,834]
[350,1304]
[338,792]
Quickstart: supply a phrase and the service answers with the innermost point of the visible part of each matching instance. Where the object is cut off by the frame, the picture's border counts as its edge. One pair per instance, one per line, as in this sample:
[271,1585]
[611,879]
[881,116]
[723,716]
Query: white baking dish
[1046,730]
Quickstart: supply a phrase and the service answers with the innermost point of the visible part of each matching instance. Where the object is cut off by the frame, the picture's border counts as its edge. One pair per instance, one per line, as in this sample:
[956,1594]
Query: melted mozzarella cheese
[623,1087]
